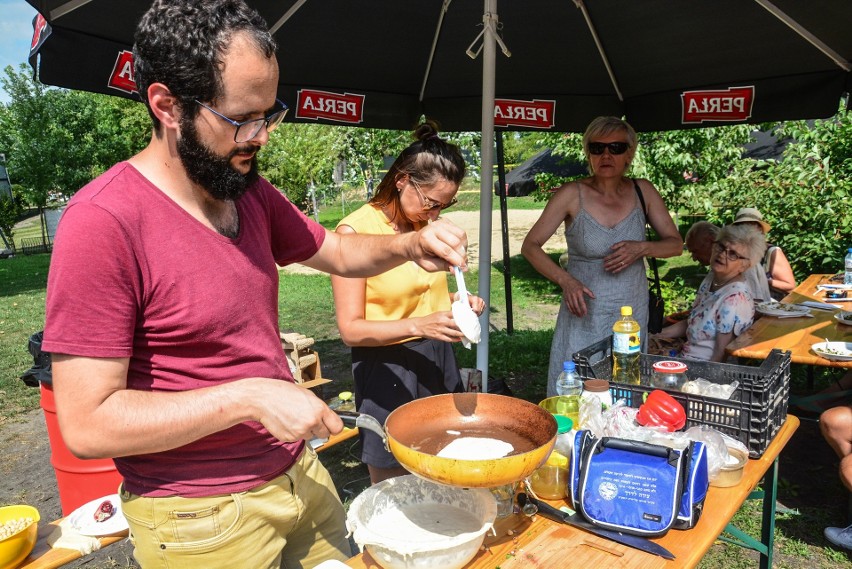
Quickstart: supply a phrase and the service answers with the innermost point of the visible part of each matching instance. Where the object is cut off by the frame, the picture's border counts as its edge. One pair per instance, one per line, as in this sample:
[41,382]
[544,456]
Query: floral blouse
[729,309]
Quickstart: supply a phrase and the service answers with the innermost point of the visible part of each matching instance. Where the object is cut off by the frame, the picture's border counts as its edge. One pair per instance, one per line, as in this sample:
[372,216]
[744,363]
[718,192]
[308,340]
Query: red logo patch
[39,26]
[347,108]
[728,105]
[122,73]
[534,114]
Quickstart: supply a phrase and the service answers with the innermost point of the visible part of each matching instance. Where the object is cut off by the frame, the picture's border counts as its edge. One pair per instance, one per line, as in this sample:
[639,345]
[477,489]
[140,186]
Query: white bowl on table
[836,351]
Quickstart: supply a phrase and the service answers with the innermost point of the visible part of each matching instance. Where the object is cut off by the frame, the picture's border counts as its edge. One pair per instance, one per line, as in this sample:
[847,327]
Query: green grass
[24,281]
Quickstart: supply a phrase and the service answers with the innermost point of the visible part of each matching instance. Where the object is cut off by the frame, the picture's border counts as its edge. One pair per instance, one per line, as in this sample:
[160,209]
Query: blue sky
[16,31]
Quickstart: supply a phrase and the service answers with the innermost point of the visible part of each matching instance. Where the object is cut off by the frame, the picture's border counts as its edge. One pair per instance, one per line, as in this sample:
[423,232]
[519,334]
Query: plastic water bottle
[626,343]
[570,386]
[847,277]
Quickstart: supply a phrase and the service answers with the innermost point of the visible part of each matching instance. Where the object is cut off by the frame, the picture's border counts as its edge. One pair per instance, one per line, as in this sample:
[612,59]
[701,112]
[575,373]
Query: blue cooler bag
[636,487]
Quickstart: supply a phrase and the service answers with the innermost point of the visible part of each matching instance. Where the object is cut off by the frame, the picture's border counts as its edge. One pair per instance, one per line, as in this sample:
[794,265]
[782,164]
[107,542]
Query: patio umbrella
[663,64]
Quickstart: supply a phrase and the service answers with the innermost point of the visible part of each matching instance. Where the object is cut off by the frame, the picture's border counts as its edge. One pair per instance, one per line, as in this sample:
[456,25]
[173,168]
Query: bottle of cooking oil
[626,343]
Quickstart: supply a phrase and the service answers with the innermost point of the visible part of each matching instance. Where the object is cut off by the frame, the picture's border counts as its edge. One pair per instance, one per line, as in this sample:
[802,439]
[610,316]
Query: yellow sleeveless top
[405,291]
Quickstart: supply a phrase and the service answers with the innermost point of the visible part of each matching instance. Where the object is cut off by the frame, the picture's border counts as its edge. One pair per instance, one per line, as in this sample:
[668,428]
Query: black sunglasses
[598,148]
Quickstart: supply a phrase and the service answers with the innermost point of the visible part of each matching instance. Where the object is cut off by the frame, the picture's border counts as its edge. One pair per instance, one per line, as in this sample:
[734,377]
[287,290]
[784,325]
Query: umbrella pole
[504,229]
[489,57]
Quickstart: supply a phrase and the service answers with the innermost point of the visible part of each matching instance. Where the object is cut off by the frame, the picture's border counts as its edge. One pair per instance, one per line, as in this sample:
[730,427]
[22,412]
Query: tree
[299,156]
[57,140]
[804,196]
[10,209]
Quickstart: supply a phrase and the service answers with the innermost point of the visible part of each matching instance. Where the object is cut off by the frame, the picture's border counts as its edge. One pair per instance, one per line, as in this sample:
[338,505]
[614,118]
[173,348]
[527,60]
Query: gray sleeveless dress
[588,243]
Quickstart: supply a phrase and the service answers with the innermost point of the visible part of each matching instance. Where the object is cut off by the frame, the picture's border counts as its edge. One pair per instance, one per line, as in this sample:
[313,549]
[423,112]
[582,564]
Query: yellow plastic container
[568,405]
[550,481]
[16,547]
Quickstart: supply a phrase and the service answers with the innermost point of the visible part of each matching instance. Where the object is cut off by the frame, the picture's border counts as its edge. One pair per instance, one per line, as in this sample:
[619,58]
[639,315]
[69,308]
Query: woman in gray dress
[605,232]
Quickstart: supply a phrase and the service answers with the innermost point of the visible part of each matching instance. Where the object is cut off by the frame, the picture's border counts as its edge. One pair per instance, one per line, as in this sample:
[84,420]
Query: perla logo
[122,77]
[346,107]
[728,105]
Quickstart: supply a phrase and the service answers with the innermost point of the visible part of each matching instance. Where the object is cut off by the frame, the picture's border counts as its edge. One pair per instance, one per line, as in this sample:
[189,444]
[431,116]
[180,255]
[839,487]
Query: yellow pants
[294,522]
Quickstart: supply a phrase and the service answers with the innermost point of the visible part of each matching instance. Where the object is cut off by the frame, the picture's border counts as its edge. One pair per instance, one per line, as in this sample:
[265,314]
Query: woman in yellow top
[399,323]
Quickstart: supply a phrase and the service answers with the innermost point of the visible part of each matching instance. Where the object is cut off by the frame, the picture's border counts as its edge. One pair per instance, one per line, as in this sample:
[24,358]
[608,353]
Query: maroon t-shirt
[135,276]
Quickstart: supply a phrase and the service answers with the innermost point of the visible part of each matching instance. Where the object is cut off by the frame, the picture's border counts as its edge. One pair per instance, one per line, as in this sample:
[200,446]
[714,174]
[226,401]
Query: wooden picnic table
[544,544]
[795,335]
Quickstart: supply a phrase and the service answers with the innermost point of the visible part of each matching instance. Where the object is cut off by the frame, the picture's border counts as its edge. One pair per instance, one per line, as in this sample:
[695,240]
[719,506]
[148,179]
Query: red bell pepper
[661,410]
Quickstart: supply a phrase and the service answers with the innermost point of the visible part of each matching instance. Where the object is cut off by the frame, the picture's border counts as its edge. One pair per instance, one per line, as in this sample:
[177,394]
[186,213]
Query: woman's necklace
[718,285]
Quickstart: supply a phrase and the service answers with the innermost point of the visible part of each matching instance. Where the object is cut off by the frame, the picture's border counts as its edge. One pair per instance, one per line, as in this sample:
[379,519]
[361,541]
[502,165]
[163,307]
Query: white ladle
[466,319]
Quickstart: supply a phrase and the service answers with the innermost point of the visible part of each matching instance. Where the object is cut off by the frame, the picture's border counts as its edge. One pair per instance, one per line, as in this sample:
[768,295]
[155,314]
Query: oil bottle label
[626,343]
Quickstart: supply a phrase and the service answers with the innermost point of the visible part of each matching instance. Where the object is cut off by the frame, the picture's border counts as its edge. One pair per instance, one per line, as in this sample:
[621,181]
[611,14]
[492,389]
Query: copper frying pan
[417,431]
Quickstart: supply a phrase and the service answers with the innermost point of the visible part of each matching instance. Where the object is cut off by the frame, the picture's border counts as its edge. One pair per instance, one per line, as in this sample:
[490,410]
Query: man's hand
[438,246]
[290,412]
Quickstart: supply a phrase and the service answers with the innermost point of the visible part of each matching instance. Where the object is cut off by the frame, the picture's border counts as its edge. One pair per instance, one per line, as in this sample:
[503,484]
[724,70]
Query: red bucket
[79,481]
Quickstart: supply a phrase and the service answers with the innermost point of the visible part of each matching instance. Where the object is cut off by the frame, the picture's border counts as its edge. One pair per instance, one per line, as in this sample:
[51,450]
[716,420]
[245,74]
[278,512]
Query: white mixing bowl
[411,523]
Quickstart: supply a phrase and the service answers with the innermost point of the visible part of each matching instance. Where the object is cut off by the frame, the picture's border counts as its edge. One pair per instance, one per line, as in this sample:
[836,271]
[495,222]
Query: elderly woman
[605,230]
[723,305]
[774,270]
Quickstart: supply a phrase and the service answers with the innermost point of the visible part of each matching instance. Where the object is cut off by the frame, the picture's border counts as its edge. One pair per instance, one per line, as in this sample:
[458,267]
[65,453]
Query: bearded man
[162,309]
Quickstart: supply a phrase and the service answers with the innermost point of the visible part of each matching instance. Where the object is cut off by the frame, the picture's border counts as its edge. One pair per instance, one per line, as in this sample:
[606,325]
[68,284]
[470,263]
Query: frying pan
[418,430]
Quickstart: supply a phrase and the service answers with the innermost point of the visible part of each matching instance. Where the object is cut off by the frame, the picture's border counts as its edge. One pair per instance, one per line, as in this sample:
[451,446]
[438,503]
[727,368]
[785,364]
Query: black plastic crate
[754,413]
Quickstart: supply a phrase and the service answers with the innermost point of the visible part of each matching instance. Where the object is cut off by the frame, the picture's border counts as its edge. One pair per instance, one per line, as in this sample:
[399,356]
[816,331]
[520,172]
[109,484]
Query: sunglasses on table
[597,148]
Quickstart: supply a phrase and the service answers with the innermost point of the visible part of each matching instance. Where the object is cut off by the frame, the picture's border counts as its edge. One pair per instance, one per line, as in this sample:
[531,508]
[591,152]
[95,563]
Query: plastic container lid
[627,311]
[569,366]
[596,385]
[563,423]
[557,459]
[670,367]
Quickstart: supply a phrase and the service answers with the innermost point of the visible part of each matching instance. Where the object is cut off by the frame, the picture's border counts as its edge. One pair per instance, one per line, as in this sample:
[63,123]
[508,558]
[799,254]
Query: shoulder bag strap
[652,260]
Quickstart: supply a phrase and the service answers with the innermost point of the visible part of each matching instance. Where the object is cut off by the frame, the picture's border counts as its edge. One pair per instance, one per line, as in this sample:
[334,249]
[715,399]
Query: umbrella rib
[444,8]
[66,8]
[808,36]
[594,32]
[287,15]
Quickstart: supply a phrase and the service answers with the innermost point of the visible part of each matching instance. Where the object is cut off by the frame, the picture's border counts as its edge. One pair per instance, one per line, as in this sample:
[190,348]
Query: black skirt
[389,376]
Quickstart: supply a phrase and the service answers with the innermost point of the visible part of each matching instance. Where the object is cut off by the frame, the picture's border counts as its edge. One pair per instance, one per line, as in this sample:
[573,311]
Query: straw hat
[747,214]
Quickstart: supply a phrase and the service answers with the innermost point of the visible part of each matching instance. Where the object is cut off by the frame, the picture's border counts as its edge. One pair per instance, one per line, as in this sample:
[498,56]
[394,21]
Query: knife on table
[576,520]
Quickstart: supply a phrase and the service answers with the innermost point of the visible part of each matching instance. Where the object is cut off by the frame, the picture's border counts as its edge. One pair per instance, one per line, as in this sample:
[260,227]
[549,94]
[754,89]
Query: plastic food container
[732,470]
[15,548]
[598,388]
[668,374]
[550,481]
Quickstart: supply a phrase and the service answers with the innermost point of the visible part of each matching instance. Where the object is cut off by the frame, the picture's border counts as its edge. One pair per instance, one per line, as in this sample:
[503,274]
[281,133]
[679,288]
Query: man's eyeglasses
[430,204]
[247,130]
[721,250]
[597,148]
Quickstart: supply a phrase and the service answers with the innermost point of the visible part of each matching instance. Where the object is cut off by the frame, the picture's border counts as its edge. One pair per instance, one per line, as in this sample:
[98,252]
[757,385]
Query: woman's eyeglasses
[731,255]
[247,130]
[597,148]
[430,204]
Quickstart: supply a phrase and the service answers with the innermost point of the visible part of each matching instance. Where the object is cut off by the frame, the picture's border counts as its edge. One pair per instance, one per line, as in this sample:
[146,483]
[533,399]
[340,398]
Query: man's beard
[212,172]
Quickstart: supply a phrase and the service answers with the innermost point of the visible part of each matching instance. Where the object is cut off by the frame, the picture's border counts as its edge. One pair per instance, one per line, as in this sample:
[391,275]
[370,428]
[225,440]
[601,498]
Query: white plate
[83,518]
[838,316]
[781,309]
[837,351]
